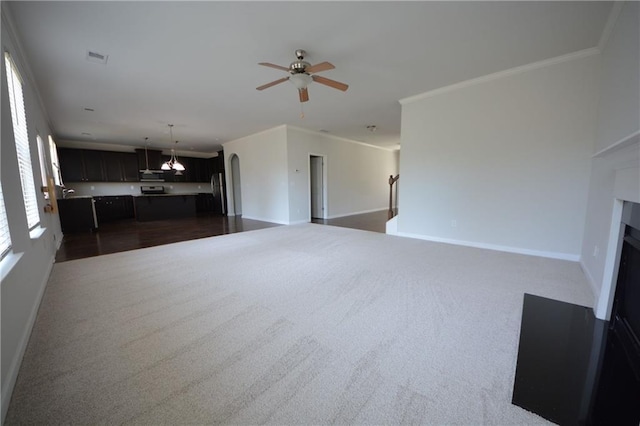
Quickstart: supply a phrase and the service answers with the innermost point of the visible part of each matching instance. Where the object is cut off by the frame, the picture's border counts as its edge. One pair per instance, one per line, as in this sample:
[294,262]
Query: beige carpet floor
[305,324]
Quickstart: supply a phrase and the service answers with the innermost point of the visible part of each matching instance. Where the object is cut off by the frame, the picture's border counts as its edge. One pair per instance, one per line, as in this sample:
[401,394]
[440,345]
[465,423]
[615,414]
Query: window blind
[5,238]
[55,164]
[19,120]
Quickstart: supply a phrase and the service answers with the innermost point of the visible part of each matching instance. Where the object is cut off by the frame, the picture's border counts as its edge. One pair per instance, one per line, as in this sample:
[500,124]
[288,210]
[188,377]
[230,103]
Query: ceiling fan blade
[304,95]
[278,67]
[330,83]
[273,83]
[322,66]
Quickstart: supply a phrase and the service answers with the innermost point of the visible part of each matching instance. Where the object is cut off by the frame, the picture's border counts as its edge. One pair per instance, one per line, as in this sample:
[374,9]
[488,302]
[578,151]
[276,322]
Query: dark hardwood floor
[129,234]
[375,221]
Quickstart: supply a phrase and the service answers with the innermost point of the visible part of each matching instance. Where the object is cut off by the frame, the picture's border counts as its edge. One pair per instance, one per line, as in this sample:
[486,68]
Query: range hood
[151,175]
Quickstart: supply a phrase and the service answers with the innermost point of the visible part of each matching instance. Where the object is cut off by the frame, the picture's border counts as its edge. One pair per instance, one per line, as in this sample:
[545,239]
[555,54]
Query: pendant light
[146,157]
[173,163]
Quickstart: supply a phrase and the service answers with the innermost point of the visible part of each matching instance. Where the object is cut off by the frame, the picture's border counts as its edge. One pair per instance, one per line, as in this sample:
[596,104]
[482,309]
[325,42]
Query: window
[44,171]
[19,120]
[5,238]
[55,163]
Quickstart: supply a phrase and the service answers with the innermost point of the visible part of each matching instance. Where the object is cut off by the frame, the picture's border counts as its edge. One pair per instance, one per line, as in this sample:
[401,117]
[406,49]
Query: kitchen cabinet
[196,170]
[93,166]
[167,206]
[155,159]
[85,165]
[130,167]
[204,202]
[77,214]
[71,165]
[120,166]
[202,170]
[217,163]
[110,208]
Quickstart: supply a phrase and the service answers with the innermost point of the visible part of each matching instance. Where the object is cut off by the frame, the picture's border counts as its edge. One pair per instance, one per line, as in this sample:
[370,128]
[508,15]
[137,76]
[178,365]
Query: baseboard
[14,368]
[496,247]
[298,222]
[592,283]
[354,213]
[262,219]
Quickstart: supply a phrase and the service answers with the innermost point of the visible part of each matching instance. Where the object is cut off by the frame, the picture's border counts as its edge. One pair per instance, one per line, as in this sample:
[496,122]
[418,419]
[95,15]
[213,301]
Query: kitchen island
[164,206]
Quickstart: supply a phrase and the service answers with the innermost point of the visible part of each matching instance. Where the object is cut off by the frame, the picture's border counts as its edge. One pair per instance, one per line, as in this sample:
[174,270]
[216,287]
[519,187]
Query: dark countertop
[192,194]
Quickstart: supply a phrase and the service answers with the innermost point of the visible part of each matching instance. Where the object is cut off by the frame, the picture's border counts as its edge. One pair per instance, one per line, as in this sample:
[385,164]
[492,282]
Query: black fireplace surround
[574,369]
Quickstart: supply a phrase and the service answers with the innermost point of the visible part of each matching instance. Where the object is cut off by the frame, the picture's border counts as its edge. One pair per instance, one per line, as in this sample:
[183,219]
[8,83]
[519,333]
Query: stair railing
[392,180]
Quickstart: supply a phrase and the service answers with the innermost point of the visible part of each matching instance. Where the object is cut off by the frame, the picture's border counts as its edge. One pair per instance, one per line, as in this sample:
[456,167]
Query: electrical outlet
[199,186]
[132,187]
[454,223]
[170,186]
[93,188]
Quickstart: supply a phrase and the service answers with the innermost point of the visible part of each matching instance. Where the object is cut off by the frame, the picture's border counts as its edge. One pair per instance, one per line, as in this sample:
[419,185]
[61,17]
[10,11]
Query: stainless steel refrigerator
[218,191]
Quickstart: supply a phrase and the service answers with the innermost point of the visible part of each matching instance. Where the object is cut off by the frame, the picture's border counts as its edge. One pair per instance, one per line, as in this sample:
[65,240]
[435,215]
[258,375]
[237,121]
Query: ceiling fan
[302,73]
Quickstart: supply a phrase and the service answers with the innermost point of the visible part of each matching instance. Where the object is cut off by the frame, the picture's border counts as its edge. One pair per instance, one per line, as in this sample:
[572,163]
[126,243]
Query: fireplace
[618,390]
[582,369]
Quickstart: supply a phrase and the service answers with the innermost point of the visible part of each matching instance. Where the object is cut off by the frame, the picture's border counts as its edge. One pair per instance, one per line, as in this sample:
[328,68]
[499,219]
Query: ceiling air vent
[97,57]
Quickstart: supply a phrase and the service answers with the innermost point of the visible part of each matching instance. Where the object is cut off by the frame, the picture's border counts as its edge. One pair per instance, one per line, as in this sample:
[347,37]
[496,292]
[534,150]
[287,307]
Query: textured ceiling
[194,64]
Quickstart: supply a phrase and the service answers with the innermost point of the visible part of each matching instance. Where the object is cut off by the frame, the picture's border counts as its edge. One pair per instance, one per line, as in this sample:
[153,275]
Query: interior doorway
[316,186]
[235,182]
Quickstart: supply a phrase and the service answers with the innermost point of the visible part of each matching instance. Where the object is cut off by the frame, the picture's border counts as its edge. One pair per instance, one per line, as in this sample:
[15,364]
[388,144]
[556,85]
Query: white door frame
[325,208]
[234,181]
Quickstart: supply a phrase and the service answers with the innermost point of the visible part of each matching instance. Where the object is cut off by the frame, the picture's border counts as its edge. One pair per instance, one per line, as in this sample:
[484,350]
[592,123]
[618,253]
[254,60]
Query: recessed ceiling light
[372,128]
[323,131]
[86,134]
[89,109]
[97,57]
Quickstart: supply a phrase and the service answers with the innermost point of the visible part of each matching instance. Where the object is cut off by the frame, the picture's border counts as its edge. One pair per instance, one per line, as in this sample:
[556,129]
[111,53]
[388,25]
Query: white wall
[502,162]
[25,271]
[263,171]
[356,174]
[615,170]
[619,107]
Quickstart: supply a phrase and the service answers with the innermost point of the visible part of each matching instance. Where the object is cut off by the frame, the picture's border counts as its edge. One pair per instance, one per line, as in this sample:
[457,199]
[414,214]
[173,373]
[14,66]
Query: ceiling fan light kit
[302,73]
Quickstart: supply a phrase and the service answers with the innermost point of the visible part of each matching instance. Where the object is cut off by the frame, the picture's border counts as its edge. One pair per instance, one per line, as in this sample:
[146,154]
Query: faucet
[66,192]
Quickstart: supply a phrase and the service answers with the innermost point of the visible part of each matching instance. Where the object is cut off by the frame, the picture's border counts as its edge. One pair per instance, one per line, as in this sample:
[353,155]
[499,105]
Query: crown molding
[262,132]
[502,74]
[610,25]
[338,138]
[633,138]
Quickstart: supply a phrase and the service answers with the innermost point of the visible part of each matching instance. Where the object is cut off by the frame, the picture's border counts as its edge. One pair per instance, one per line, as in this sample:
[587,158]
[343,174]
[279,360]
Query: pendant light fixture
[146,157]
[173,163]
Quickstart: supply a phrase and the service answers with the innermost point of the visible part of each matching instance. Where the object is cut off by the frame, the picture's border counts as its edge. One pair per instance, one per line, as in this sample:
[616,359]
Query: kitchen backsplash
[133,188]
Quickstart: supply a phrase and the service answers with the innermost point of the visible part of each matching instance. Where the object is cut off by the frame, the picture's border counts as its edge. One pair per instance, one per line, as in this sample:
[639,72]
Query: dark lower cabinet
[158,207]
[112,208]
[204,202]
[76,214]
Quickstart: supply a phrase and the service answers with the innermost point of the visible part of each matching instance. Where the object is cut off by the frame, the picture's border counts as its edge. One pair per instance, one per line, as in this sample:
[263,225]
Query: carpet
[303,324]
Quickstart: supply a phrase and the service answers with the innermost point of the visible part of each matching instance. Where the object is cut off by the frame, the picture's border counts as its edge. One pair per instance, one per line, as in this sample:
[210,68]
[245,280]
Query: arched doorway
[235,182]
